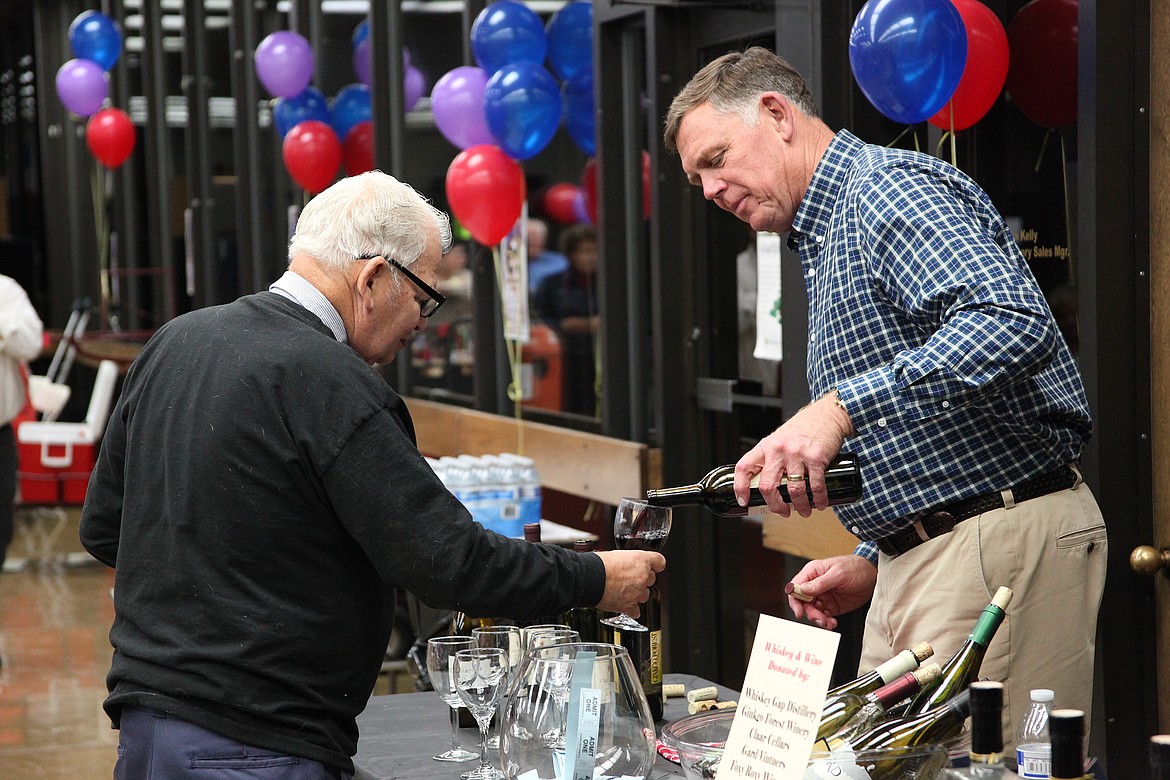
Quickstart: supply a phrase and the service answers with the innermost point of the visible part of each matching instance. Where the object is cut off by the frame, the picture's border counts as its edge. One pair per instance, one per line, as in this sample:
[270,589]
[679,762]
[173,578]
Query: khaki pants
[1051,551]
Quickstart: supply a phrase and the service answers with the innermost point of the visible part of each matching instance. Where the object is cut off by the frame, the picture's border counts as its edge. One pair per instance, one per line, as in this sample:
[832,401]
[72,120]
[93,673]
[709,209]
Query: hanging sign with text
[780,706]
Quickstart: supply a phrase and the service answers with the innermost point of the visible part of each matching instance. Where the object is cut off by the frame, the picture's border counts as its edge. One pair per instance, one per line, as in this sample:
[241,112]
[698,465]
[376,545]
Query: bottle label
[656,658]
[1034,760]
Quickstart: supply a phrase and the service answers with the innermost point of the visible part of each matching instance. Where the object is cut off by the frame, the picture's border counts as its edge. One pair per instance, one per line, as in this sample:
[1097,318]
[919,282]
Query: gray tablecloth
[399,733]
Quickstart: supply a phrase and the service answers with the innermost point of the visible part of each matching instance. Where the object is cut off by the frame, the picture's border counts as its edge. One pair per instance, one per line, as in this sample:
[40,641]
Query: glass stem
[454,728]
[483,740]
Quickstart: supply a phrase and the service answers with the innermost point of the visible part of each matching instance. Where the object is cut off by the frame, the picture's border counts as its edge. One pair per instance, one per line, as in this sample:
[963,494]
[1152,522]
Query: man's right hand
[628,577]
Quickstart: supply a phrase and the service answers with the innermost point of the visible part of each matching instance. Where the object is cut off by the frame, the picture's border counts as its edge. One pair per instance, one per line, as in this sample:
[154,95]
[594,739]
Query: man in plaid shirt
[933,355]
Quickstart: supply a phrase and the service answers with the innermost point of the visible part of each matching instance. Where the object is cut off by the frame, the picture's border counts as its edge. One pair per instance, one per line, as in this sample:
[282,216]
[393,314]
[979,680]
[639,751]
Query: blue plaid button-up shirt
[925,317]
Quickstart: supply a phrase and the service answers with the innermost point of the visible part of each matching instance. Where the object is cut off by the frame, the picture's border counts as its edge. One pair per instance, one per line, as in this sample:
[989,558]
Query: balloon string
[917,148]
[941,141]
[905,130]
[1043,148]
[1072,276]
[951,132]
[98,195]
[515,355]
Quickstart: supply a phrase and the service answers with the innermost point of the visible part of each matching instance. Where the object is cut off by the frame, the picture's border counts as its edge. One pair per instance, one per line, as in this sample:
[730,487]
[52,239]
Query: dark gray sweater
[260,495]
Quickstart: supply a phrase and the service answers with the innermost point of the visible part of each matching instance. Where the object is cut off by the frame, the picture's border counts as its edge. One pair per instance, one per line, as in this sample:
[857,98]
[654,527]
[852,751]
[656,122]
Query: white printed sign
[780,706]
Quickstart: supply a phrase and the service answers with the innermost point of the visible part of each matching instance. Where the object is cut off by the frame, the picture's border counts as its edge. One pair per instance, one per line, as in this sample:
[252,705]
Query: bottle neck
[987,625]
[684,495]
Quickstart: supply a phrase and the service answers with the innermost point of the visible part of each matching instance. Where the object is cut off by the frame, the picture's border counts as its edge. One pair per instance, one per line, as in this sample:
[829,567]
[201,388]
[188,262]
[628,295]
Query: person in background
[542,261]
[568,302]
[21,339]
[260,496]
[933,356]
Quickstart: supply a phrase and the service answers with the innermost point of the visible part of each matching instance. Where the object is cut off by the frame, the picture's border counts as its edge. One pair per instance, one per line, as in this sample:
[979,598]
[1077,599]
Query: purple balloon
[414,85]
[361,61]
[82,86]
[284,63]
[581,208]
[457,103]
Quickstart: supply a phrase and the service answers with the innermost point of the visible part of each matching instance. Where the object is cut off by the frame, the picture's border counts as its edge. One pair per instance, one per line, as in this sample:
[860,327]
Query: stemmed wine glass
[509,639]
[638,526]
[479,678]
[440,661]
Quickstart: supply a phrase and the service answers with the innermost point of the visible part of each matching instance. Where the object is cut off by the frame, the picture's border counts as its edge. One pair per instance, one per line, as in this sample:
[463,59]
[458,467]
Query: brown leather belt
[943,520]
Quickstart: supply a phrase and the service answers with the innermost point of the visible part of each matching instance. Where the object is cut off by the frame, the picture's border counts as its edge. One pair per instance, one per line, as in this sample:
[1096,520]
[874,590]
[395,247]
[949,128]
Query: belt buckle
[943,521]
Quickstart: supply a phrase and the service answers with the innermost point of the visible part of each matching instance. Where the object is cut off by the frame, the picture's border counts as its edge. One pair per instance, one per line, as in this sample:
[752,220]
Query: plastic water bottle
[482,481]
[1033,750]
[458,479]
[529,477]
[506,480]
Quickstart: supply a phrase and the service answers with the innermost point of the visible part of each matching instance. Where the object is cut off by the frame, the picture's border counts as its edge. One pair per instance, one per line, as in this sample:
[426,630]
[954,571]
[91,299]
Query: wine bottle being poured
[716,492]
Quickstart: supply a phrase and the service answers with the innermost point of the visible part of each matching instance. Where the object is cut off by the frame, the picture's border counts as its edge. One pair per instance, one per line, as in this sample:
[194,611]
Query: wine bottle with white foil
[846,713]
[885,672]
[899,737]
[1066,730]
[716,492]
[963,667]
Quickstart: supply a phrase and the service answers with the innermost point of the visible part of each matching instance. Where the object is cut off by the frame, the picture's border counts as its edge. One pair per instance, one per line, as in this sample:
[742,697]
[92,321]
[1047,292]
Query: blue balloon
[577,99]
[908,56]
[507,32]
[361,32]
[523,108]
[350,106]
[287,113]
[570,41]
[95,36]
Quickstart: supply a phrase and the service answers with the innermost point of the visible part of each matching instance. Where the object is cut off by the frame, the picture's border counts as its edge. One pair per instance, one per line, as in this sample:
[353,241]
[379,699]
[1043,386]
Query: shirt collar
[298,289]
[812,218]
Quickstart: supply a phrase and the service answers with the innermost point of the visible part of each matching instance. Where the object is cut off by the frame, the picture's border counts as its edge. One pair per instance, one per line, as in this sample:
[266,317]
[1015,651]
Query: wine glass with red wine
[638,526]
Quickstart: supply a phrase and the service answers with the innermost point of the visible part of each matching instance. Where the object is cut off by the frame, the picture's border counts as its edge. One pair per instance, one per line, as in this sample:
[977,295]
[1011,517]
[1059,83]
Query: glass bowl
[698,739]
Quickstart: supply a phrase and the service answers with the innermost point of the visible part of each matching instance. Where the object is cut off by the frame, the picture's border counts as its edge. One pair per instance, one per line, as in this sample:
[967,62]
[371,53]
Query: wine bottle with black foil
[584,620]
[645,649]
[885,672]
[1066,731]
[716,492]
[532,534]
[1160,757]
[985,757]
[930,728]
[963,667]
[846,713]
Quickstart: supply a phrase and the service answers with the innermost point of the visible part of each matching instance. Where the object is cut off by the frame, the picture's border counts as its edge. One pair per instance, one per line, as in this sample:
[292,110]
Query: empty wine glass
[527,631]
[509,639]
[479,678]
[440,660]
[638,526]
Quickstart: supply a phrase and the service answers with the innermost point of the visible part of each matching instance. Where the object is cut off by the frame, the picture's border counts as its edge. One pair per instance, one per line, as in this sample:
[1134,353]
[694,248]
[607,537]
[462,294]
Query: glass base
[624,622]
[483,773]
[456,754]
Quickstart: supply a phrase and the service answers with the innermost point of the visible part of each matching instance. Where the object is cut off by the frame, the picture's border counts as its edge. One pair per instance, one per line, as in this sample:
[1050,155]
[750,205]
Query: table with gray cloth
[400,732]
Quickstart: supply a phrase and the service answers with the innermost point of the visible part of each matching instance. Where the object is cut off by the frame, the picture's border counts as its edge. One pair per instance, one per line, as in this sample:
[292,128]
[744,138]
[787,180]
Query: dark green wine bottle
[1066,732]
[716,491]
[963,667]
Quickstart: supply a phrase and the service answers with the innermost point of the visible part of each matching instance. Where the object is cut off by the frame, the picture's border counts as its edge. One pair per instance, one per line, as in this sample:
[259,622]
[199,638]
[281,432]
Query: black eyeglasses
[434,300]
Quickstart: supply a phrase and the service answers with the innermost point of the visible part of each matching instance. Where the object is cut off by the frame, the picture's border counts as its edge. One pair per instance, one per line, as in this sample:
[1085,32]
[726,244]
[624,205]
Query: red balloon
[558,203]
[986,69]
[110,136]
[1042,80]
[357,152]
[486,190]
[589,185]
[312,154]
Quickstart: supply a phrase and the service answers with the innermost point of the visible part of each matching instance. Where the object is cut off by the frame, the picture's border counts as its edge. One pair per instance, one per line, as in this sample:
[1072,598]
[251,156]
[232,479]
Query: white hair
[369,214]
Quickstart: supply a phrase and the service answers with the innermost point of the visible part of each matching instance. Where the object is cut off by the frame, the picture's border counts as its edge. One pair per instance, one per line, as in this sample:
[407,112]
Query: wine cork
[793,589]
[674,690]
[726,705]
[696,707]
[703,694]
